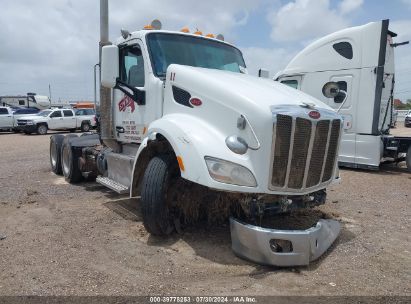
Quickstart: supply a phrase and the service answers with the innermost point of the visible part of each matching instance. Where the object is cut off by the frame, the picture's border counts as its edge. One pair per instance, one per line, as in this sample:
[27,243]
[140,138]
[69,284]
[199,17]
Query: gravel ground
[62,239]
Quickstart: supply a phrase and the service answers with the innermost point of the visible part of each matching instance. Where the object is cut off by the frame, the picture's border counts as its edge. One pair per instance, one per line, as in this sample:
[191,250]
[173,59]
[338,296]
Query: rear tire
[70,162]
[156,211]
[56,142]
[408,159]
[41,129]
[85,127]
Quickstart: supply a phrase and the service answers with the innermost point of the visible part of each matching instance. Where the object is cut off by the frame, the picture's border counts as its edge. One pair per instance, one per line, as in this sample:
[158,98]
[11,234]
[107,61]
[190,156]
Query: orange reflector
[210,36]
[148,27]
[144,130]
[185,30]
[180,163]
[198,33]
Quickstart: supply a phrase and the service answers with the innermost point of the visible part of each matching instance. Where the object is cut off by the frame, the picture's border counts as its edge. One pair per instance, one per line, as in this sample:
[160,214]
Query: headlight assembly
[230,173]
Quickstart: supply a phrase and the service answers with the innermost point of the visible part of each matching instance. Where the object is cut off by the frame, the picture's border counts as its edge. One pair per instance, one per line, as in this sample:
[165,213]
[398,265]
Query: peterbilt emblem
[125,103]
[314,114]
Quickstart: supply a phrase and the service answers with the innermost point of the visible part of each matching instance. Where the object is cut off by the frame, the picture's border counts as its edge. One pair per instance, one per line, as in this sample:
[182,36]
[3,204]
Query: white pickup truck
[56,119]
[6,119]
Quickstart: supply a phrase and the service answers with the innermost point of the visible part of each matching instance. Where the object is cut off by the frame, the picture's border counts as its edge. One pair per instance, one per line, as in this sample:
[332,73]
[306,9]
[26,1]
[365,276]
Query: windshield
[166,49]
[44,113]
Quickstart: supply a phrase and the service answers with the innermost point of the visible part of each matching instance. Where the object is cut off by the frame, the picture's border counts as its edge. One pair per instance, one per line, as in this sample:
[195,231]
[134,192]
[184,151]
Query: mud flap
[265,246]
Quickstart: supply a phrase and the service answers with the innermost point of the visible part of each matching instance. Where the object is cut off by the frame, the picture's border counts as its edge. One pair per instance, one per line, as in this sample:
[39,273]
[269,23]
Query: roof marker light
[185,30]
[148,27]
[200,33]
[210,36]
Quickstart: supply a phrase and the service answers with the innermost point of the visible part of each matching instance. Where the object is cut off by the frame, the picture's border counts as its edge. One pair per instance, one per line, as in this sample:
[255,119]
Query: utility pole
[50,94]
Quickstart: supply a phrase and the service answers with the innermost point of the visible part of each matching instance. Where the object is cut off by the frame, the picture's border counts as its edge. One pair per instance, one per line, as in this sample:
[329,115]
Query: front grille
[283,139]
[304,152]
[301,144]
[317,154]
[332,150]
[21,122]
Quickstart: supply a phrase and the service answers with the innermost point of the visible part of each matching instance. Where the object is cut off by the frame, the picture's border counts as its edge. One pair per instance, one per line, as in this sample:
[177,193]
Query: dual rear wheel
[64,159]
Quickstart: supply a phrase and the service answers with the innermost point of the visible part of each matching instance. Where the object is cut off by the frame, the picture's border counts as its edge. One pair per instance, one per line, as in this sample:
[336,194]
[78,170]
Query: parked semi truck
[361,61]
[186,131]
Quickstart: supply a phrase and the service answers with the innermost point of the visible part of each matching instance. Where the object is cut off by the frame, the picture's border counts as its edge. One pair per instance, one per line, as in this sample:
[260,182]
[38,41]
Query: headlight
[30,122]
[229,173]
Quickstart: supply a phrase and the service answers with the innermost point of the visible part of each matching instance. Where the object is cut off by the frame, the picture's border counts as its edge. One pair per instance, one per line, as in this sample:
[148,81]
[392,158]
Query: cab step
[112,184]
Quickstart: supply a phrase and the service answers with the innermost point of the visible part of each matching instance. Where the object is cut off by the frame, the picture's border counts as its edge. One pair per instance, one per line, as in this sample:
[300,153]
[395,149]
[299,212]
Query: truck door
[6,118]
[129,116]
[56,120]
[69,120]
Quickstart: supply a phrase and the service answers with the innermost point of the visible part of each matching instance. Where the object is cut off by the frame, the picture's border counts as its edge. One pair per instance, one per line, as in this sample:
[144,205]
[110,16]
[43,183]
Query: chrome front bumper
[253,242]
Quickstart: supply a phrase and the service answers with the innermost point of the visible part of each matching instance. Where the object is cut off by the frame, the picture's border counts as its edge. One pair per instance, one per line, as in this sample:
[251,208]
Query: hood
[258,92]
[31,117]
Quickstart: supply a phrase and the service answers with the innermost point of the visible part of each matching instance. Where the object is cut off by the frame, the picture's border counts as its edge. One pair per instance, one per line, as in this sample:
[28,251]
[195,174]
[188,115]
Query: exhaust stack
[106,108]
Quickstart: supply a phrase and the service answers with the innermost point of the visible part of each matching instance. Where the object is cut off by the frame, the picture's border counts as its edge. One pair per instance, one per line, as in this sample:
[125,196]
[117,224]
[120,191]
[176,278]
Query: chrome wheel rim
[42,130]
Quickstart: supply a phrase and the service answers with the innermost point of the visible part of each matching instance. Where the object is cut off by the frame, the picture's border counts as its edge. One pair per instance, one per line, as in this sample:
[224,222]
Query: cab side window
[56,114]
[67,113]
[291,83]
[3,111]
[132,66]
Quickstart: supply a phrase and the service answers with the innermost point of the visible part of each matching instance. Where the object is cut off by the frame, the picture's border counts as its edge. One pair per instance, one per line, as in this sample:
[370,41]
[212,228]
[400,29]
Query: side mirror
[109,65]
[331,89]
[263,73]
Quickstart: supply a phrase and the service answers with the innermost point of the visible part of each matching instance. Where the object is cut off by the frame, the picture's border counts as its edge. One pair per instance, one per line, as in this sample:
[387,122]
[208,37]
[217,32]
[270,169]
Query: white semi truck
[361,61]
[186,131]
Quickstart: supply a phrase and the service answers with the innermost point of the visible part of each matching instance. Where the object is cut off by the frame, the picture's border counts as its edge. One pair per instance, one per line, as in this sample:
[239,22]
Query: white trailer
[361,61]
[185,130]
[31,100]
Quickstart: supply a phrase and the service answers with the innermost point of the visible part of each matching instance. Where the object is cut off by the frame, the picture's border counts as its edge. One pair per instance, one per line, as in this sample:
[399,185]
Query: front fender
[192,139]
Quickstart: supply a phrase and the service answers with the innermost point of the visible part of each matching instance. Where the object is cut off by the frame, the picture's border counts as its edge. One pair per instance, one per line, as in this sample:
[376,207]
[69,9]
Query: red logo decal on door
[125,103]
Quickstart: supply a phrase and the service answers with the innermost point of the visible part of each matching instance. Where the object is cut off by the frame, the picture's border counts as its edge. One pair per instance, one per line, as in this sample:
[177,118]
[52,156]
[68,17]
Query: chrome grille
[21,122]
[317,155]
[304,152]
[332,150]
[283,139]
[301,144]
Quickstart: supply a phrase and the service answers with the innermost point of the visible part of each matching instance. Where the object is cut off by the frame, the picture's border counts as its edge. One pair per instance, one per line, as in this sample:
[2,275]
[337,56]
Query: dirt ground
[62,239]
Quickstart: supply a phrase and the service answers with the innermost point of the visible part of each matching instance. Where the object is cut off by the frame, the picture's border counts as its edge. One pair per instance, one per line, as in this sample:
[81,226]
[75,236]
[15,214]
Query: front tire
[156,210]
[70,162]
[42,129]
[85,127]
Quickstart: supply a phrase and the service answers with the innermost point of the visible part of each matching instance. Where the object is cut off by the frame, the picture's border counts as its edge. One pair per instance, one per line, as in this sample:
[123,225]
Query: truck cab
[189,134]
[361,61]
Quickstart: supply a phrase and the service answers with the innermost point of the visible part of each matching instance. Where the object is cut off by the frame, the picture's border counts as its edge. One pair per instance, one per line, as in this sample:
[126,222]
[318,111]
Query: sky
[55,42]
